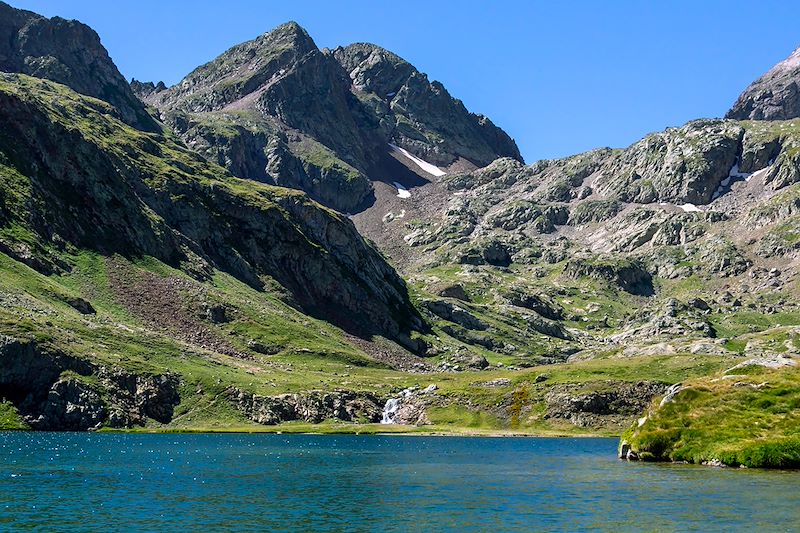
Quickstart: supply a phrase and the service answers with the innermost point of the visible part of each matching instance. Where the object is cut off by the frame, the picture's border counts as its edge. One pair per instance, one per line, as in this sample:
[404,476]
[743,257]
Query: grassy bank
[747,417]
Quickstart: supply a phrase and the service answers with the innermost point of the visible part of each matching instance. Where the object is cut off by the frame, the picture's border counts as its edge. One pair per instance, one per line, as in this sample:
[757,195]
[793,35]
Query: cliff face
[70,53]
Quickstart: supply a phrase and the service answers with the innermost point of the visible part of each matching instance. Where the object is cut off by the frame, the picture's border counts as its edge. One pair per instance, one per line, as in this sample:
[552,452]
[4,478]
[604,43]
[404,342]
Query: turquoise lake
[213,482]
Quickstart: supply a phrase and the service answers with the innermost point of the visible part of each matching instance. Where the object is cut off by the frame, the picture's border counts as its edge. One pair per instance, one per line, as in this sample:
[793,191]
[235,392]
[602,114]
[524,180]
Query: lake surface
[164,483]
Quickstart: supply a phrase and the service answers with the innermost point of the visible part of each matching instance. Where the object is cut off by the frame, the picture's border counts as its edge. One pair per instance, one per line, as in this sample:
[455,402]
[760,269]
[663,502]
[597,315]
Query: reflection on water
[72,481]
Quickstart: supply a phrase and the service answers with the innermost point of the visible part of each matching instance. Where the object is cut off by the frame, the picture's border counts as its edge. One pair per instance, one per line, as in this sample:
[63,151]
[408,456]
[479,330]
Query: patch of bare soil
[390,354]
[168,305]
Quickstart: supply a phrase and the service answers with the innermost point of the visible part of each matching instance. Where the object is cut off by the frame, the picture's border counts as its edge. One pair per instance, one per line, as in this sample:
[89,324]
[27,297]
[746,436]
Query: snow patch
[733,175]
[402,192]
[690,208]
[424,165]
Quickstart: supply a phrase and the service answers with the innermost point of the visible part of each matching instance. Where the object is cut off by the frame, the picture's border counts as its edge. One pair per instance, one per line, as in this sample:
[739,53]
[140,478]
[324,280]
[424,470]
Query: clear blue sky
[559,77]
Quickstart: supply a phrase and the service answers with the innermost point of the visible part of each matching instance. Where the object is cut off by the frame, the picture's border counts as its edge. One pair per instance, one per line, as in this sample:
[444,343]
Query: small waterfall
[389,410]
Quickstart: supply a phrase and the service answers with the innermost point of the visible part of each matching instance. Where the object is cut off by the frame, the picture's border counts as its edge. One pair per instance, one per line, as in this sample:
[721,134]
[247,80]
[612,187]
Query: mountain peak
[773,96]
[289,34]
[67,52]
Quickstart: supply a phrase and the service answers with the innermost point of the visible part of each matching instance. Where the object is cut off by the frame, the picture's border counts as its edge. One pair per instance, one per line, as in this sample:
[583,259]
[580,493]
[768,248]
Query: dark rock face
[583,409]
[81,305]
[313,407]
[137,397]
[67,52]
[414,113]
[71,406]
[773,96]
[54,391]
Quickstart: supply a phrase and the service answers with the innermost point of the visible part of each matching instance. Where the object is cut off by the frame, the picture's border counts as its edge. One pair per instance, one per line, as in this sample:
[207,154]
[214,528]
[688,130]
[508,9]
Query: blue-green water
[204,482]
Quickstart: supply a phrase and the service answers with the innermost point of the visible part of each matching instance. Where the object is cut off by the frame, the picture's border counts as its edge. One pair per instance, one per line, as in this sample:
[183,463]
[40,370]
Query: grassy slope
[312,355]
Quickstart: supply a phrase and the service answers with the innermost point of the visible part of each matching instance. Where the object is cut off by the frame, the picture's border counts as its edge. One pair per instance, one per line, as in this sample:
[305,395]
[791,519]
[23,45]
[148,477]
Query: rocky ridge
[279,110]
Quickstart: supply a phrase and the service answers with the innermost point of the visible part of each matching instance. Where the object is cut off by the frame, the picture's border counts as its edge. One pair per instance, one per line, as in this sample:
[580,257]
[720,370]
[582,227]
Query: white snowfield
[424,165]
[402,192]
[690,208]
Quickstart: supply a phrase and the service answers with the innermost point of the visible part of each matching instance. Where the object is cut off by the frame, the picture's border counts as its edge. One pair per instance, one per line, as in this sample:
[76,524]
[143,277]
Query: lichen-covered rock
[680,165]
[594,211]
[628,275]
[584,408]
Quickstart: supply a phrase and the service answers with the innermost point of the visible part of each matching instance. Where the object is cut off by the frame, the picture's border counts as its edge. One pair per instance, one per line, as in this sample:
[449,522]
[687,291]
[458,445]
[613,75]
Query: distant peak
[773,96]
[289,33]
[290,28]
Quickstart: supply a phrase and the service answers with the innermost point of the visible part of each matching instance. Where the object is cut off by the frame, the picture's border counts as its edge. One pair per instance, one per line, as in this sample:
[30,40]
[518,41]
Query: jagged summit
[68,52]
[278,109]
[773,96]
[420,115]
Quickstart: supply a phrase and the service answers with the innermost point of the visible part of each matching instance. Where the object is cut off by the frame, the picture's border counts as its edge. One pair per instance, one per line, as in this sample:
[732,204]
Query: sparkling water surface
[213,482]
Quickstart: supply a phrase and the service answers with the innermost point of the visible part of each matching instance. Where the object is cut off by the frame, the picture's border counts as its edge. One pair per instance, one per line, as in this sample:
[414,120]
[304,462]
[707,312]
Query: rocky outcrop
[71,405]
[67,52]
[313,407]
[55,391]
[453,313]
[773,96]
[540,304]
[586,409]
[628,275]
[137,397]
[672,319]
